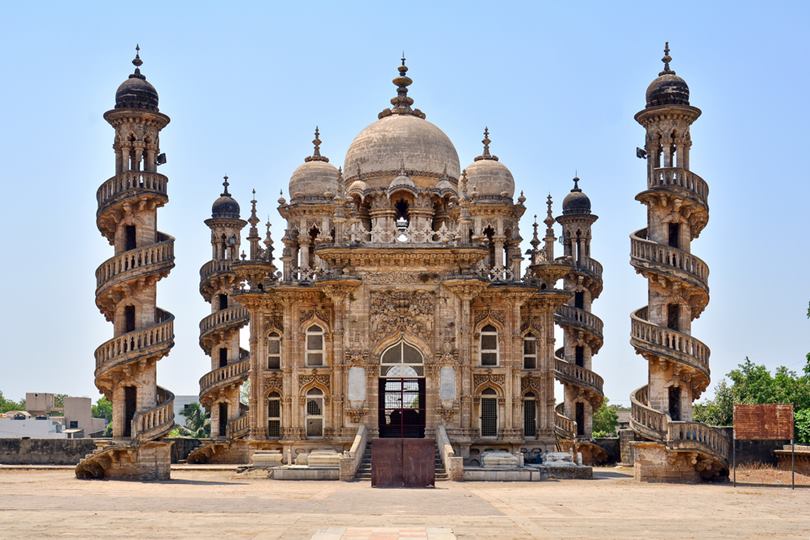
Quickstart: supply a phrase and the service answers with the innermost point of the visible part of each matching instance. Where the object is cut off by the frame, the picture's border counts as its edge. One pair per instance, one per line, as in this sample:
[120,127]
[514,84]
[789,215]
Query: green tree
[102,409]
[718,411]
[10,405]
[197,424]
[605,419]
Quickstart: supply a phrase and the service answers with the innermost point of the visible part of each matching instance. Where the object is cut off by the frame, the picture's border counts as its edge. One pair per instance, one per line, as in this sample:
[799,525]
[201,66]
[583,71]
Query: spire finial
[137,62]
[401,102]
[403,57]
[402,167]
[666,59]
[486,153]
[576,183]
[225,184]
[316,151]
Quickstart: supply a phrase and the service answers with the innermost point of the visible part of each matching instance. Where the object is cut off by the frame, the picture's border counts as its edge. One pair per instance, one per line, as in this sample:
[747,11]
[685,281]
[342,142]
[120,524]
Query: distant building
[34,428]
[38,403]
[180,403]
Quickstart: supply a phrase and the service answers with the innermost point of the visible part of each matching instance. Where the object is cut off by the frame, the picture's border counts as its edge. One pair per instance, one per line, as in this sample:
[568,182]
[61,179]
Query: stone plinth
[323,458]
[265,458]
[802,458]
[148,461]
[653,463]
[499,460]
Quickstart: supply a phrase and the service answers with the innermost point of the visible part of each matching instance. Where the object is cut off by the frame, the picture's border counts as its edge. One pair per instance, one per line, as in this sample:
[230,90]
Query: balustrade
[675,176]
[130,181]
[129,345]
[649,251]
[580,317]
[684,346]
[580,374]
[224,317]
[225,373]
[141,258]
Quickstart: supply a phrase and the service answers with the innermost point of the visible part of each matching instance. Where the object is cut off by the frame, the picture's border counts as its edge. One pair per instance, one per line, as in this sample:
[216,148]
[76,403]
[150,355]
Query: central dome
[381,148]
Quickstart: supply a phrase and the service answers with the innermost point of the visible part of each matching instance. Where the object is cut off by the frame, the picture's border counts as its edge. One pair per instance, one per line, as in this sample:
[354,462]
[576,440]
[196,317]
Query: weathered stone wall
[626,436]
[68,451]
[44,451]
[652,463]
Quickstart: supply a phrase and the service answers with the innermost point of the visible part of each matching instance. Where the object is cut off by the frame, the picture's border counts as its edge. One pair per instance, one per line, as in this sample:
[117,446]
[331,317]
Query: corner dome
[402,182]
[136,92]
[225,206]
[576,202]
[487,176]
[668,88]
[316,176]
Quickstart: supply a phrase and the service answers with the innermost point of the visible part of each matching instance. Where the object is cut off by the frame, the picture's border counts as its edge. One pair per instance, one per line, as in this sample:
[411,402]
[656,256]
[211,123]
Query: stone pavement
[222,505]
[384,533]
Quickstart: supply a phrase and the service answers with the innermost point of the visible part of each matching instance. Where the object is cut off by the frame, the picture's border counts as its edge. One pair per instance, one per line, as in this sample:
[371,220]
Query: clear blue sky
[557,83]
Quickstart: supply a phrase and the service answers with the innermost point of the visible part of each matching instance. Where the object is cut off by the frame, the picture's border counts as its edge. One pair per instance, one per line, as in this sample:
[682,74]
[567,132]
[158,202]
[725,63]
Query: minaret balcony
[215,325]
[131,184]
[135,263]
[680,179]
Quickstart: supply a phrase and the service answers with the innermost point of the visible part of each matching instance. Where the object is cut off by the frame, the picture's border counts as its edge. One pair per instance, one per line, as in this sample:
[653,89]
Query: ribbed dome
[381,147]
[225,206]
[136,92]
[667,88]
[487,176]
[576,202]
[401,182]
[358,187]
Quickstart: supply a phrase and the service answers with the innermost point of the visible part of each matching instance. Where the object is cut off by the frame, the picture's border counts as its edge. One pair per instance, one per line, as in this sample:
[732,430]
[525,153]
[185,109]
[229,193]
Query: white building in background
[33,428]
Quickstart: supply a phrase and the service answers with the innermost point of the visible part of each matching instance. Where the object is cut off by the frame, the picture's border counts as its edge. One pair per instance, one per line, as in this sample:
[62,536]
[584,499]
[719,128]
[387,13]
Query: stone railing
[133,345]
[231,316]
[453,464]
[682,178]
[644,419]
[564,427]
[647,251]
[226,374]
[130,183]
[143,260]
[697,436]
[578,375]
[676,345]
[239,426]
[154,422]
[579,317]
[351,459]
[589,266]
[214,267]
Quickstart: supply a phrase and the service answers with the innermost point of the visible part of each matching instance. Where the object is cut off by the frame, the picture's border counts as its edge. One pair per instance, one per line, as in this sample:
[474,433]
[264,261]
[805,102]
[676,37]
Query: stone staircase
[364,470]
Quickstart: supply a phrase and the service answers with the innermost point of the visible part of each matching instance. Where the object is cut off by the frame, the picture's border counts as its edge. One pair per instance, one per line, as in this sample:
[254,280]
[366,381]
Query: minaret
[219,331]
[126,293]
[582,330]
[678,290]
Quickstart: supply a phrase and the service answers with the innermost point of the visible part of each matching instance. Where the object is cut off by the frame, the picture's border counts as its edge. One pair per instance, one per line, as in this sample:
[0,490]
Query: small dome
[667,88]
[487,176]
[225,206]
[358,187]
[316,176]
[402,182]
[576,202]
[136,92]
[313,179]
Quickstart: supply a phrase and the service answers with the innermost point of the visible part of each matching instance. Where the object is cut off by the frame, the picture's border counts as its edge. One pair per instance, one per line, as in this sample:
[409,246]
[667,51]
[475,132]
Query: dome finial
[137,62]
[225,184]
[576,183]
[486,153]
[316,151]
[402,102]
[666,59]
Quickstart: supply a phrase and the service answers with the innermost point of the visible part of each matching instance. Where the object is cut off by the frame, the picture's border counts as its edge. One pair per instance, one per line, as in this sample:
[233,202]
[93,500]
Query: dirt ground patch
[220,504]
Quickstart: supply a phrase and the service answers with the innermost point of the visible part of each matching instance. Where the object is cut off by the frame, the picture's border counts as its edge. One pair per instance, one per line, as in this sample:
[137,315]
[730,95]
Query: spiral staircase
[126,355]
[684,276]
[217,275]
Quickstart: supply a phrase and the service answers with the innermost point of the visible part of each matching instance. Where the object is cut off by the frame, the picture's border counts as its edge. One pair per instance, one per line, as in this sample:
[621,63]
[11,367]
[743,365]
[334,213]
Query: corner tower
[678,292]
[581,328]
[219,331]
[126,291]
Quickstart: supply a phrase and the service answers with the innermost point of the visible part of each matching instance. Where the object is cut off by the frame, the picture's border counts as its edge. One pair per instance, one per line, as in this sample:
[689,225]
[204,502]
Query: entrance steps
[364,470]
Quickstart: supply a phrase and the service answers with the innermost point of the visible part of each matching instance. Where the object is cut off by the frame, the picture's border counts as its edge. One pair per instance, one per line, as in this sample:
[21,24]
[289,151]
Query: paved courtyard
[219,504]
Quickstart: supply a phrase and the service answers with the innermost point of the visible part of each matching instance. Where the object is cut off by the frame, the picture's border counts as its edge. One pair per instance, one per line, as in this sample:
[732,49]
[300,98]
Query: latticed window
[274,351]
[314,413]
[489,346]
[489,413]
[529,415]
[529,352]
[274,415]
[314,346]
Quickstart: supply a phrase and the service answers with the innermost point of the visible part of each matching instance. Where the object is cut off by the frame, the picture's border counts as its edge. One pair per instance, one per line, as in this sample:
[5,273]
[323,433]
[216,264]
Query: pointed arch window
[314,413]
[529,415]
[274,415]
[529,352]
[489,413]
[274,351]
[314,354]
[489,346]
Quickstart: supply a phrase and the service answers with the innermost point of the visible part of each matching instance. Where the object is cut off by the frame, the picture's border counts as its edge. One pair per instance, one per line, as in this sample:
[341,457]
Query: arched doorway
[402,392]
